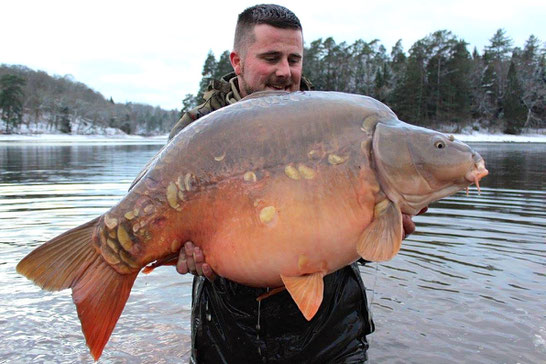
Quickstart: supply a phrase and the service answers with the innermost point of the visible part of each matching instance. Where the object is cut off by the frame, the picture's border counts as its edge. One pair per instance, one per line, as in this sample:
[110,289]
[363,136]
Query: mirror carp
[278,190]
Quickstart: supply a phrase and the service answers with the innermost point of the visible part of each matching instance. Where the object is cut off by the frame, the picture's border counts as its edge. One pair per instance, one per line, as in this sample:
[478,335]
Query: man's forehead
[265,35]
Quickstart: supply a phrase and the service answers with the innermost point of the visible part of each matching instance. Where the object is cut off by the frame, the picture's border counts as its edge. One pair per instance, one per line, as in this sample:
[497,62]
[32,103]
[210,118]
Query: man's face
[272,62]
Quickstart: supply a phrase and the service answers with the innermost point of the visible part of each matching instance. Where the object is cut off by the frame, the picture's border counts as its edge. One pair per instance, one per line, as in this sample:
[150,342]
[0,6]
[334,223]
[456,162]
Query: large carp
[277,190]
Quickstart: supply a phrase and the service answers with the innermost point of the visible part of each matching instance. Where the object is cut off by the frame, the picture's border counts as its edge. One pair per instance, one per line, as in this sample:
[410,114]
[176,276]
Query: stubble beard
[273,81]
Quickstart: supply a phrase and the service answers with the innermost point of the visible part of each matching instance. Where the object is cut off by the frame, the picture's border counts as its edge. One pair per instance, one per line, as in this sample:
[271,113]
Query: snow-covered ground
[501,138]
[162,139]
[82,139]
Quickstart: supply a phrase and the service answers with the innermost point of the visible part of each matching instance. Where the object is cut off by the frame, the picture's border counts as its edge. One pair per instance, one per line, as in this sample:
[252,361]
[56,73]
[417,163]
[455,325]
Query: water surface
[468,286]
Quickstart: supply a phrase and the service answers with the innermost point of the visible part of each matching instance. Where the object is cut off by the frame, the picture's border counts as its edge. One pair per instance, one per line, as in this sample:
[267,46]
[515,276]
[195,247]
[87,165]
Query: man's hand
[408,224]
[191,260]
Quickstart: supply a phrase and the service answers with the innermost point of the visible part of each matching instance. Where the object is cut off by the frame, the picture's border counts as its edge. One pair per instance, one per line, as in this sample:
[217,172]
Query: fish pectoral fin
[383,237]
[307,291]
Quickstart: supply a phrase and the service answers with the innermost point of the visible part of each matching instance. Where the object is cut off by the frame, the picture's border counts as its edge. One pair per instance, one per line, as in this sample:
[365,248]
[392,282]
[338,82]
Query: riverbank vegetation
[438,83]
[35,101]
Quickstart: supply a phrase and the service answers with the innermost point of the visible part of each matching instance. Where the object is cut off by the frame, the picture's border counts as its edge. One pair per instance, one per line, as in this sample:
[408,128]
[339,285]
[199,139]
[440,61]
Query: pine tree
[457,83]
[223,66]
[208,73]
[515,113]
[11,99]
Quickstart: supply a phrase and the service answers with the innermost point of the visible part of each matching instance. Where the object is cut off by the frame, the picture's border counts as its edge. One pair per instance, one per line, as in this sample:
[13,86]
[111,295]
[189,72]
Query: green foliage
[212,70]
[437,81]
[515,113]
[11,99]
[70,106]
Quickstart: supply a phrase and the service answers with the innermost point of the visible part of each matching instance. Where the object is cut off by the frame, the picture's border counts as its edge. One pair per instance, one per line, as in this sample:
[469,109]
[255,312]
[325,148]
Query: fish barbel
[279,189]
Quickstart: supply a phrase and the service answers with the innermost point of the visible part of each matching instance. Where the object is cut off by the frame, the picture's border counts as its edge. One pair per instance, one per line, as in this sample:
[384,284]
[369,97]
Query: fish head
[417,166]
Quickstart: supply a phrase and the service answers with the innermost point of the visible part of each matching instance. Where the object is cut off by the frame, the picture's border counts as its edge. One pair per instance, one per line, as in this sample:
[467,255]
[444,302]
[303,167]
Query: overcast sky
[153,51]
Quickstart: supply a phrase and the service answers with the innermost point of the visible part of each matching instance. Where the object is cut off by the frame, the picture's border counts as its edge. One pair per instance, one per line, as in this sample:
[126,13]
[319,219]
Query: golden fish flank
[180,183]
[302,262]
[292,172]
[187,181]
[176,245]
[250,177]
[306,172]
[365,146]
[220,158]
[113,245]
[109,255]
[267,214]
[130,215]
[172,196]
[313,154]
[148,209]
[335,159]
[124,238]
[369,122]
[127,259]
[110,222]
[380,208]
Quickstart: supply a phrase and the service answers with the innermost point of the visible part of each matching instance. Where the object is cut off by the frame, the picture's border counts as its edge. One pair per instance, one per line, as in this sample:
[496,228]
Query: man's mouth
[279,87]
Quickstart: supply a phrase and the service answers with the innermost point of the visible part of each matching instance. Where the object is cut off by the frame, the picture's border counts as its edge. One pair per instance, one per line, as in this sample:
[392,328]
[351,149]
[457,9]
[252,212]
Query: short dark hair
[271,14]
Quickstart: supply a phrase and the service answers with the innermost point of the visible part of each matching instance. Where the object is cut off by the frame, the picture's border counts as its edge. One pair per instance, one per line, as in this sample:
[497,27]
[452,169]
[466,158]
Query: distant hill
[55,104]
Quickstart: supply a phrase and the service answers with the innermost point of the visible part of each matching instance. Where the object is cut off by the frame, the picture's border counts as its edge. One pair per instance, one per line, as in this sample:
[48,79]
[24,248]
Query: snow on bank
[501,138]
[81,139]
[162,139]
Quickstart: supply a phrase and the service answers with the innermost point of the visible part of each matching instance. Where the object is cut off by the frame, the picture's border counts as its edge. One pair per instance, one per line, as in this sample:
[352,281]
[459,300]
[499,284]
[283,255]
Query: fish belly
[287,227]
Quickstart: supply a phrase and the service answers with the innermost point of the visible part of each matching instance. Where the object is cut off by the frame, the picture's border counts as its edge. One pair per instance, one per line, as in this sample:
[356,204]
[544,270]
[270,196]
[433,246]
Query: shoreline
[162,139]
[80,139]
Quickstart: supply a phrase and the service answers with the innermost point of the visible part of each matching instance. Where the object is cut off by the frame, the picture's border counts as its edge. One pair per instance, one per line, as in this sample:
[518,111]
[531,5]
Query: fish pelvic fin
[99,292]
[382,239]
[307,291]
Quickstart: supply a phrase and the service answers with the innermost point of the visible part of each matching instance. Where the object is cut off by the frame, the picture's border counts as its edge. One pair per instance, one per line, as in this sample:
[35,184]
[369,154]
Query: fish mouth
[477,173]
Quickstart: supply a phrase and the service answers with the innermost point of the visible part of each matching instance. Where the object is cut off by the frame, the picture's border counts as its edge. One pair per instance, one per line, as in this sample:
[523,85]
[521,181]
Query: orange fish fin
[307,291]
[100,296]
[171,259]
[274,291]
[57,264]
[382,239]
[99,292]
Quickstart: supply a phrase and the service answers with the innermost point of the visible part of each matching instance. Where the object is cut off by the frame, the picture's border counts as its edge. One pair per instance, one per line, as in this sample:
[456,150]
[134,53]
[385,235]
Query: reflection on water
[468,286]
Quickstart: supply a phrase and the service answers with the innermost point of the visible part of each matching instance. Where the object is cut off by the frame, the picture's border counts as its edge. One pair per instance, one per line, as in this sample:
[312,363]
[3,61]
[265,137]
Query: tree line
[437,82]
[34,97]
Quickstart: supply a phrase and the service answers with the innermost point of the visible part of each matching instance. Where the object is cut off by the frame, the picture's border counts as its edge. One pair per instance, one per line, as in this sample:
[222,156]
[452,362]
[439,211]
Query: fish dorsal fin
[307,291]
[258,94]
[383,237]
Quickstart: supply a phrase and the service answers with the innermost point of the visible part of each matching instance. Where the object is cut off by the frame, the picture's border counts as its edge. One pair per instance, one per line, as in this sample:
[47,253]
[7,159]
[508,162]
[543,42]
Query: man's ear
[235,62]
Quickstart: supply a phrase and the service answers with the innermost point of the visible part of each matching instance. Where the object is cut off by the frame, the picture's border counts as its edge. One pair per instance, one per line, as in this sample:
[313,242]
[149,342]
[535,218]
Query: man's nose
[283,69]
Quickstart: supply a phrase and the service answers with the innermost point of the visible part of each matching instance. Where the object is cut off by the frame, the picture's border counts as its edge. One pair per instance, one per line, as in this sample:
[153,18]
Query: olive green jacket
[220,93]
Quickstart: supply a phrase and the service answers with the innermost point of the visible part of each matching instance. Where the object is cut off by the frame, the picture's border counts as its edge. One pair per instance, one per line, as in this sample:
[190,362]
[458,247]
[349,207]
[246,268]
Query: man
[228,324]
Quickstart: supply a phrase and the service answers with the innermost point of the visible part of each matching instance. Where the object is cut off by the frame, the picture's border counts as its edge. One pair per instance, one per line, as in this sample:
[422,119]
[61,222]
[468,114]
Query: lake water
[469,286]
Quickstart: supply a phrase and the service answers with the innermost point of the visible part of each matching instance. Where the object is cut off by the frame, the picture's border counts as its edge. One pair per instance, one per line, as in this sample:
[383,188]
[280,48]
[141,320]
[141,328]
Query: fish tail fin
[99,292]
[100,296]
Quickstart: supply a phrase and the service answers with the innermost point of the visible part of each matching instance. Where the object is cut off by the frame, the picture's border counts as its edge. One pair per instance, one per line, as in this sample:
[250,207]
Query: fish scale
[278,190]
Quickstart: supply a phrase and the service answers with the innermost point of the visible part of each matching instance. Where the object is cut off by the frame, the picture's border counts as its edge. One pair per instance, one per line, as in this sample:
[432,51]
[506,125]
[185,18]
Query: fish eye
[439,144]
